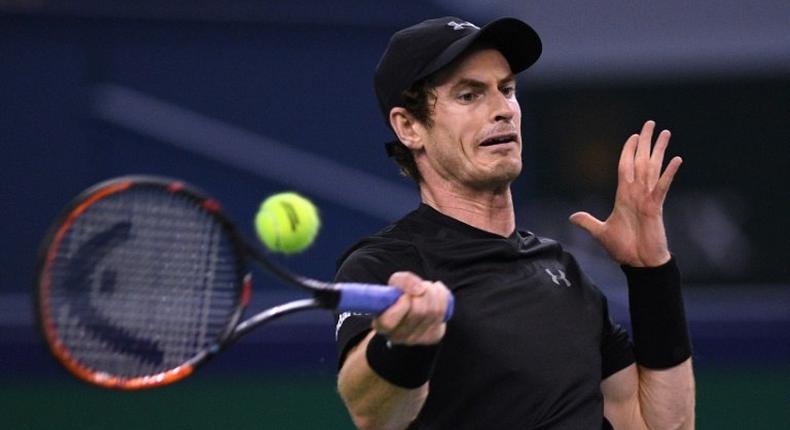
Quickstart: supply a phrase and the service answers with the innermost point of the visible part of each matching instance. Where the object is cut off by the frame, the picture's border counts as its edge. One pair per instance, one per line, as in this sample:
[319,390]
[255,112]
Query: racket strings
[142,281]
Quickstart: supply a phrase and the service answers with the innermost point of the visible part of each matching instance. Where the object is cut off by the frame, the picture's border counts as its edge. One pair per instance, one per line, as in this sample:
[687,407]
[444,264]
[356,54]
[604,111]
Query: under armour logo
[557,278]
[460,25]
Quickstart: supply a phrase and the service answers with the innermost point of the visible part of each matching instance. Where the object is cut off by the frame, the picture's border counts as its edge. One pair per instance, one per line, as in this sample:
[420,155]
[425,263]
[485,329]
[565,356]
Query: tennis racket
[141,279]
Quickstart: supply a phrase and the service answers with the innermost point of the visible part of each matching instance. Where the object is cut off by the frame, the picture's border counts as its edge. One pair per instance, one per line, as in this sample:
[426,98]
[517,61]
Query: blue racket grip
[375,299]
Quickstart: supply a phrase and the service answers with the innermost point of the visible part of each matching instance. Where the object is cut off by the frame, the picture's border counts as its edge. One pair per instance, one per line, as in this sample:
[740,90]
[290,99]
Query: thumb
[587,222]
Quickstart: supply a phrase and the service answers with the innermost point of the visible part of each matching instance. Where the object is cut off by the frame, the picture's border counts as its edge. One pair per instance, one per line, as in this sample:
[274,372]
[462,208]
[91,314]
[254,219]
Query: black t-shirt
[531,337]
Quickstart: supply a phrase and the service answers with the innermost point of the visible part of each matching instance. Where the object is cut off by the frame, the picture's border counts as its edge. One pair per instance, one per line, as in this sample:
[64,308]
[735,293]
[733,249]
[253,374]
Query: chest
[537,311]
[529,320]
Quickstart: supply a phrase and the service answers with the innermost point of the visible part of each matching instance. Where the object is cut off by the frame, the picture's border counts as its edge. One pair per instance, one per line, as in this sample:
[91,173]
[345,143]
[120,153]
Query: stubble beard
[499,177]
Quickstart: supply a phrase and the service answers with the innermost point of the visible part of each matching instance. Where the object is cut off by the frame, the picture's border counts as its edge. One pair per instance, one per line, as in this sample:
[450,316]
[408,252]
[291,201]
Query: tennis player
[531,345]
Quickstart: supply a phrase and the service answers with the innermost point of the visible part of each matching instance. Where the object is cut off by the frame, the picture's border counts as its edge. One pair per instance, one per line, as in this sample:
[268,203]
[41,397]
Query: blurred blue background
[245,98]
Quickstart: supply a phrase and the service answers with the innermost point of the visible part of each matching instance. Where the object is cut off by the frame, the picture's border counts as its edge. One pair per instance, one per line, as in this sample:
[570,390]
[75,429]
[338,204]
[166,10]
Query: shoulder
[377,256]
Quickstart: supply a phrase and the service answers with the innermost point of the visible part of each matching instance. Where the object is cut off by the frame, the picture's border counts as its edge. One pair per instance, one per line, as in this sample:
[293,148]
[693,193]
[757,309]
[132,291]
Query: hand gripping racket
[141,279]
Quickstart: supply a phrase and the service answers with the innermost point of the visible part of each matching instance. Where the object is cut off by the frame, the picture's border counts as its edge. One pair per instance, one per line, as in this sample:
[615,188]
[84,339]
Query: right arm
[373,402]
[417,318]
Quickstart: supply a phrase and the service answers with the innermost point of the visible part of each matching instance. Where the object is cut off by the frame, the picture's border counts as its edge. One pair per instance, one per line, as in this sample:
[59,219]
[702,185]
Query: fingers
[640,159]
[425,320]
[418,315]
[390,318]
[625,168]
[662,187]
[410,283]
[657,159]
[645,140]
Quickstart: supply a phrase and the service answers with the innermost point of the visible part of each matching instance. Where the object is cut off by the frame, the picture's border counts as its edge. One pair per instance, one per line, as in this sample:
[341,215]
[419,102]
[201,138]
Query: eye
[509,90]
[467,97]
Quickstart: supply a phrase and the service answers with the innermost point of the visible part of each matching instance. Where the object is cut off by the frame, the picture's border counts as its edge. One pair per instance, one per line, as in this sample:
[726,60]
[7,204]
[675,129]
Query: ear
[409,131]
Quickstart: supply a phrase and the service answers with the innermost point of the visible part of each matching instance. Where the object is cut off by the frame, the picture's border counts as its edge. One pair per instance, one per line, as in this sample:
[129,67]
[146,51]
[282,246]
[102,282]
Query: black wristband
[402,365]
[658,320]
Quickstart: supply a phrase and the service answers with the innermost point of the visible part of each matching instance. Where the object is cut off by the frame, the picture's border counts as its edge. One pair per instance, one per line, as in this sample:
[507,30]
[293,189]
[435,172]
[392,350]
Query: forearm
[662,347]
[373,402]
[667,397]
[640,398]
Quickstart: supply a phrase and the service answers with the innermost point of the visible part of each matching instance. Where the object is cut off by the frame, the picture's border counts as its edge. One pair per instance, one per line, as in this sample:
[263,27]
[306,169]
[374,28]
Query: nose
[504,108]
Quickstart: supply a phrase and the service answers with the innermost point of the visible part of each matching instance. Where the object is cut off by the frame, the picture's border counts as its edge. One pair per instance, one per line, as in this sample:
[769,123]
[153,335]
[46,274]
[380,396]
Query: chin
[509,171]
[504,179]
[501,175]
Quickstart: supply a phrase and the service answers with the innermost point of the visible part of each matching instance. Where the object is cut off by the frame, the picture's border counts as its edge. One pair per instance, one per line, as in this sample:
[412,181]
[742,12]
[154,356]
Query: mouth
[500,139]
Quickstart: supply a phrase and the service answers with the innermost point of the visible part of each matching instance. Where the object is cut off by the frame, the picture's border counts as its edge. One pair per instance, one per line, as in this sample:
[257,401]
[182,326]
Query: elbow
[681,417]
[381,417]
[681,424]
[686,420]
[364,422]
[370,422]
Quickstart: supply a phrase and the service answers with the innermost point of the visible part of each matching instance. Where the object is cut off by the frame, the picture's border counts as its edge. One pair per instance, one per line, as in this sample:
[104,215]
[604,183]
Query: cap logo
[457,26]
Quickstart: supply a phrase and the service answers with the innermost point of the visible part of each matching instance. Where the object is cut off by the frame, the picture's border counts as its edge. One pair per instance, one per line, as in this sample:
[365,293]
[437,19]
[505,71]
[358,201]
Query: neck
[488,210]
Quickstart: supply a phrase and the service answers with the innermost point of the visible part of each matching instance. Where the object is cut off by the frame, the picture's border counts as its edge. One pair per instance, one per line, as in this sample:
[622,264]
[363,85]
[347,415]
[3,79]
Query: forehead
[480,64]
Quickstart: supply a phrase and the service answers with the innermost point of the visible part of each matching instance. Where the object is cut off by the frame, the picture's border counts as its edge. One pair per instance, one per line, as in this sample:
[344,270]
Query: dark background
[244,99]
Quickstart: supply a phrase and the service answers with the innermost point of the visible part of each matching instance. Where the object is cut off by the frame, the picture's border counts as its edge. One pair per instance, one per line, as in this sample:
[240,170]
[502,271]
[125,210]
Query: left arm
[644,395]
[640,398]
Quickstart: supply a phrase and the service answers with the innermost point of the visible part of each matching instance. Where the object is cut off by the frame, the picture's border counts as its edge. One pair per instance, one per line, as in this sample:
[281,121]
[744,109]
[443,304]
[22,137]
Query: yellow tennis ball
[287,222]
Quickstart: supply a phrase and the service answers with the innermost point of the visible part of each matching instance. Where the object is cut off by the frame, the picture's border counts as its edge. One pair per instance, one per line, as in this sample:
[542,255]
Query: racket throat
[273,314]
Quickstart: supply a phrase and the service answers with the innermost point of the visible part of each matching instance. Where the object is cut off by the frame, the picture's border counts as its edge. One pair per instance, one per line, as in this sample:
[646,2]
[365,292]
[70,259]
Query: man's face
[475,139]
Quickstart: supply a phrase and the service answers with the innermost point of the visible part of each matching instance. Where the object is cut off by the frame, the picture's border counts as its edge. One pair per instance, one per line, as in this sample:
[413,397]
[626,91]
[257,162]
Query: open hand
[634,234]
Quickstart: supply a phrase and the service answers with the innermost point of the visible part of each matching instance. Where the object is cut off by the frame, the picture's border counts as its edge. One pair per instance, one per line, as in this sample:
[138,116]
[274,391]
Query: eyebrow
[474,83]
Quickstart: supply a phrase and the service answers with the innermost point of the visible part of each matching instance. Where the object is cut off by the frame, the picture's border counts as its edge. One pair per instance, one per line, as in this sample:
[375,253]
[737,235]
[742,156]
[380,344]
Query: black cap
[417,51]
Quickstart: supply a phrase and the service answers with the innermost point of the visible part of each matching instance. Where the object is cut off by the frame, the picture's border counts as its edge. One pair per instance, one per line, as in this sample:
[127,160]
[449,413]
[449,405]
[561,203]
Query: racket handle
[375,299]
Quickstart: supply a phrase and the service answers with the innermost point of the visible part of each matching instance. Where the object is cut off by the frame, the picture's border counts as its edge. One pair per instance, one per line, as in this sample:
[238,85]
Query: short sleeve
[367,265]
[617,351]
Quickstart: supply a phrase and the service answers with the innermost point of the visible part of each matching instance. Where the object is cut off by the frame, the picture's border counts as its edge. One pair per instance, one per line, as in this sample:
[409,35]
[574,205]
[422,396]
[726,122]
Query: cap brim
[516,40]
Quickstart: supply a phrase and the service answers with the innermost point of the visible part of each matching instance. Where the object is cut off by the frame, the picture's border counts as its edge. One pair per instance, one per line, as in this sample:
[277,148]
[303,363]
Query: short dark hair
[419,100]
